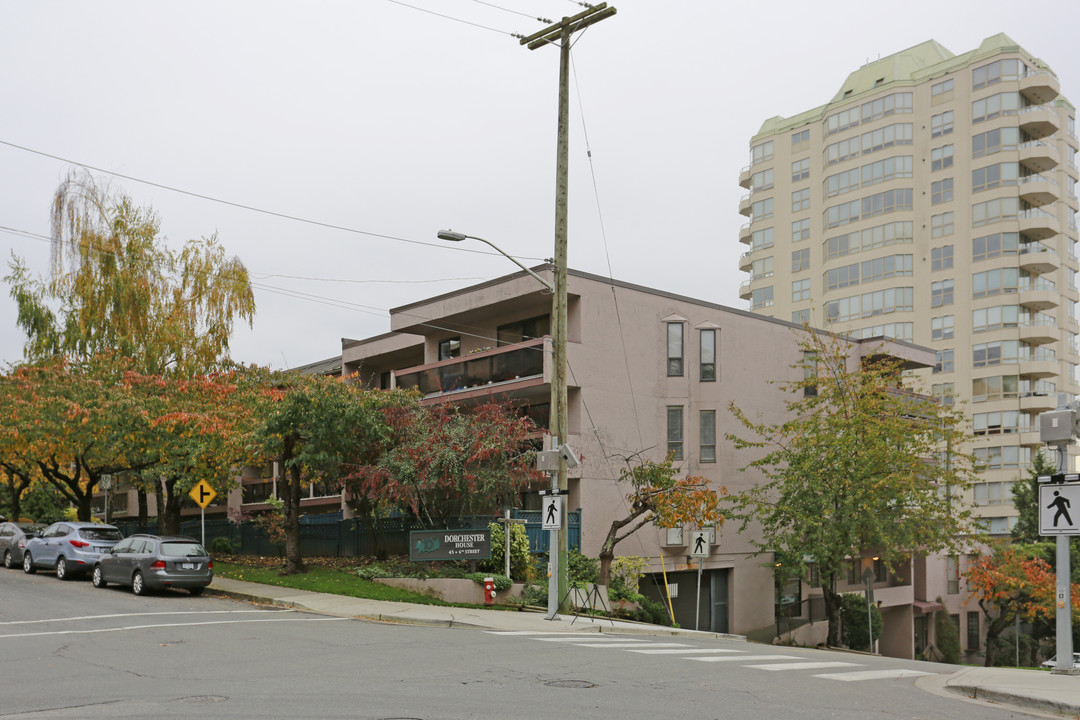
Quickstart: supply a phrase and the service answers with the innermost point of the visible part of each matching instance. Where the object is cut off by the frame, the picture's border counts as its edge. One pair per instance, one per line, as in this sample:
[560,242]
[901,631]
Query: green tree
[1025,492]
[861,463]
[658,495]
[858,620]
[948,636]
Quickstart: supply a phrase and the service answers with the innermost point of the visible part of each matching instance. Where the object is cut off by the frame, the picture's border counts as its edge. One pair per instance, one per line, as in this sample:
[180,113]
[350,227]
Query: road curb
[1019,700]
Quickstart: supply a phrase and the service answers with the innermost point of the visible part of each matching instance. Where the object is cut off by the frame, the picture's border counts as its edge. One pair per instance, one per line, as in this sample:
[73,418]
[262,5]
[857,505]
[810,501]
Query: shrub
[222,546]
[521,561]
[853,614]
[625,576]
[501,581]
[948,637]
[582,571]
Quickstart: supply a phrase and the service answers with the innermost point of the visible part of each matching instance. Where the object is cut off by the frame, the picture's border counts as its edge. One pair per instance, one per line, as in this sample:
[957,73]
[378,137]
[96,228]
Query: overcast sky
[388,120]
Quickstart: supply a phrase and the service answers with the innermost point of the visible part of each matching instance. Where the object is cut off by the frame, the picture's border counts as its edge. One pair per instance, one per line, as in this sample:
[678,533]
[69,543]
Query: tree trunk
[294,563]
[994,628]
[172,507]
[832,611]
[144,511]
[159,503]
[606,556]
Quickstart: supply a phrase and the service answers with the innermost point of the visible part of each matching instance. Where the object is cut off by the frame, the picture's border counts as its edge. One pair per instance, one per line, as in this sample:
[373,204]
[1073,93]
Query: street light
[558,586]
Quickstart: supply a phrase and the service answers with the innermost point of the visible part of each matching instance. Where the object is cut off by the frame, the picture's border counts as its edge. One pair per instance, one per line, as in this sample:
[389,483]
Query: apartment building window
[762,180]
[674,349]
[1006,422]
[842,120]
[761,268]
[995,140]
[450,348]
[761,297]
[842,214]
[761,239]
[941,124]
[941,328]
[800,137]
[997,387]
[993,211]
[802,317]
[941,225]
[972,631]
[995,318]
[941,258]
[888,169]
[853,574]
[707,359]
[761,153]
[675,431]
[522,330]
[842,182]
[886,202]
[800,260]
[800,170]
[992,246]
[800,230]
[901,102]
[941,191]
[941,293]
[810,373]
[886,137]
[842,277]
[995,282]
[842,150]
[707,420]
[1007,103]
[1009,457]
[800,200]
[994,176]
[941,158]
[992,493]
[997,352]
[952,574]
[944,361]
[761,210]
[941,92]
[800,290]
[944,393]
[995,72]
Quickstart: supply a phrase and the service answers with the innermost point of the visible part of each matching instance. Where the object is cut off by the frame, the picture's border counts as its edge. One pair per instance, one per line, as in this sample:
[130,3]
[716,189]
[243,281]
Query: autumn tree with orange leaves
[1014,581]
[658,495]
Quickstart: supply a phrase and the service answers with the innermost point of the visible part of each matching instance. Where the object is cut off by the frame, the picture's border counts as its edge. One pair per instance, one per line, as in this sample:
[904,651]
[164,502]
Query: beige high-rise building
[933,200]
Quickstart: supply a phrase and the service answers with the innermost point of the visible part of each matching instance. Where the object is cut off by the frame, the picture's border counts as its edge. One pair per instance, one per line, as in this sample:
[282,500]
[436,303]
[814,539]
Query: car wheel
[62,569]
[98,578]
[138,586]
[28,564]
[9,562]
[196,591]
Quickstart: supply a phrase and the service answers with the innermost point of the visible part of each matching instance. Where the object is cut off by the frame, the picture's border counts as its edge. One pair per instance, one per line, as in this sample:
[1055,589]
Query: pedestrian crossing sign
[1059,509]
[552,512]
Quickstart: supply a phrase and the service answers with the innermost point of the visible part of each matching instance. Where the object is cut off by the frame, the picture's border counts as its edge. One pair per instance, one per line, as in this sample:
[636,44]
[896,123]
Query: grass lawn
[324,580]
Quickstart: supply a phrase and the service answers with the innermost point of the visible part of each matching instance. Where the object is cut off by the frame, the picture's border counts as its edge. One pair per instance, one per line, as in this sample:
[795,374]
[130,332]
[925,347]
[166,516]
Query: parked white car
[1053,661]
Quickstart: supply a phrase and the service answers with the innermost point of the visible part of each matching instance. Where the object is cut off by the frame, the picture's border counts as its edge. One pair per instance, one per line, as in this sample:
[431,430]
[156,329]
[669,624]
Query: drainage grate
[203,699]
[570,684]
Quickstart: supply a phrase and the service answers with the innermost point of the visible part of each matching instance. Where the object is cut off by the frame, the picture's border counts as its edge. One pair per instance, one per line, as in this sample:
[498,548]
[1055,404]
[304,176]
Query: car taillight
[22,544]
[210,564]
[79,543]
[159,565]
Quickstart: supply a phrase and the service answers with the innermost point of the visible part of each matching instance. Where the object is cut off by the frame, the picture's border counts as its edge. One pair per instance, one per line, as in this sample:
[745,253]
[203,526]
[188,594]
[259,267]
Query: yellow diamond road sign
[203,494]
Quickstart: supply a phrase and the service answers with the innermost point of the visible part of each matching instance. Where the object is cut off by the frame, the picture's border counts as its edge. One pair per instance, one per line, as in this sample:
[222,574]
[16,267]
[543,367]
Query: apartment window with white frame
[993,141]
[988,108]
[802,317]
[941,191]
[800,260]
[800,137]
[941,293]
[761,153]
[761,298]
[941,158]
[761,268]
[941,124]
[941,258]
[707,423]
[675,431]
[952,575]
[944,393]
[941,225]
[992,176]
[674,349]
[800,230]
[941,92]
[942,328]
[995,245]
[800,200]
[800,290]
[944,360]
[707,355]
[800,170]
[761,239]
[762,180]
[996,210]
[761,210]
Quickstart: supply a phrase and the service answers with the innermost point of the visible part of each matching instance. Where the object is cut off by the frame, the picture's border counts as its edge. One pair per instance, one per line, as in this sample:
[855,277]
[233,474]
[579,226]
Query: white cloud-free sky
[384,119]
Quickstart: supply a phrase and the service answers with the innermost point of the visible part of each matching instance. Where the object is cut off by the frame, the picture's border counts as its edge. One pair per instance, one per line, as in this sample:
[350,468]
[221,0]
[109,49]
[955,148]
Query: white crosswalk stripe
[745,658]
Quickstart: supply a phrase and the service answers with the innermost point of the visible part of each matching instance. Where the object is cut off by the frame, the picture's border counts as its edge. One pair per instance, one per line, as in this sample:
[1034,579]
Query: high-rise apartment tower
[933,200]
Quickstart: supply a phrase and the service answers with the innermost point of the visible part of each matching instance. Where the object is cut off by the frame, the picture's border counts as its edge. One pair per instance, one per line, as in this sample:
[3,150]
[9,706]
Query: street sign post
[699,548]
[203,495]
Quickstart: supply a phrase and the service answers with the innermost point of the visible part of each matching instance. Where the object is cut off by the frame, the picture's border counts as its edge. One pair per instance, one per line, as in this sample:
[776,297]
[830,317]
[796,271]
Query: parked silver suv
[70,547]
[153,562]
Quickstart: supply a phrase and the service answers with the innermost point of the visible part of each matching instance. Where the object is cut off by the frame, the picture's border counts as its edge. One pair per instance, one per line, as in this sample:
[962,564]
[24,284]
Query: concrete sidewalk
[1023,689]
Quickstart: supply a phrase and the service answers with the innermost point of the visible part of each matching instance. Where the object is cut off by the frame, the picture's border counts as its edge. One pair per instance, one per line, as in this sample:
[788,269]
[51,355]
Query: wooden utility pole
[560,33]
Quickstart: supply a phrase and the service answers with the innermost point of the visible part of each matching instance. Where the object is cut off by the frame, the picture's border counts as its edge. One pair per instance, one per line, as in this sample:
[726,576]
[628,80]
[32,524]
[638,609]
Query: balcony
[745,204]
[1037,258]
[1039,156]
[744,290]
[1038,224]
[1038,369]
[745,233]
[1039,86]
[1038,189]
[744,177]
[1038,295]
[507,369]
[744,261]
[1037,403]
[1038,121]
[1040,332]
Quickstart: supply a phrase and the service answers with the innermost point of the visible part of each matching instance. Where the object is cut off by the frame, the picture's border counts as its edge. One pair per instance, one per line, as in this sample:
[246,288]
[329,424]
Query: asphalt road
[68,650]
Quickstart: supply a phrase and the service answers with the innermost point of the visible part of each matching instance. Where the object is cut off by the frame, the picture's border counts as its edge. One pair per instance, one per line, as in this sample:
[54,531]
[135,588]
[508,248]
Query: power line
[252,208]
[455,19]
[546,21]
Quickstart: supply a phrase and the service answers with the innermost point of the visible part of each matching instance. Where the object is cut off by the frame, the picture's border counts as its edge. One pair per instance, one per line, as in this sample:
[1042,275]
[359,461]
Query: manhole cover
[570,684]
[203,699]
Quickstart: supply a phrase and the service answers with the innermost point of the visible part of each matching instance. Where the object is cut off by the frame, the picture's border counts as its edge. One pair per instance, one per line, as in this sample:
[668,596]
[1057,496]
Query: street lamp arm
[458,237]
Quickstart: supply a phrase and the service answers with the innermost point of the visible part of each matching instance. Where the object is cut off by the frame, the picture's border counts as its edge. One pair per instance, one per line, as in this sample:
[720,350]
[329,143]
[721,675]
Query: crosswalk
[756,660]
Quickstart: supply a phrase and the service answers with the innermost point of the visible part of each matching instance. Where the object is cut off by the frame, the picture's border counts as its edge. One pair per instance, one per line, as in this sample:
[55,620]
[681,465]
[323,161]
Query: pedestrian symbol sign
[203,494]
[699,544]
[552,509]
[1059,509]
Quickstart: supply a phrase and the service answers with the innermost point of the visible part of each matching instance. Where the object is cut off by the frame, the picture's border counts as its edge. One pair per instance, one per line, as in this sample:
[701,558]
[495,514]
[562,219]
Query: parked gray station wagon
[13,537]
[69,547]
[153,562]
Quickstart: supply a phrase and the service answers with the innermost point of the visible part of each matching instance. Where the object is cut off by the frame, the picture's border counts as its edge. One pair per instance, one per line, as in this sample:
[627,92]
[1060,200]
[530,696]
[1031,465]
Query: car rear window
[110,534]
[182,549]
